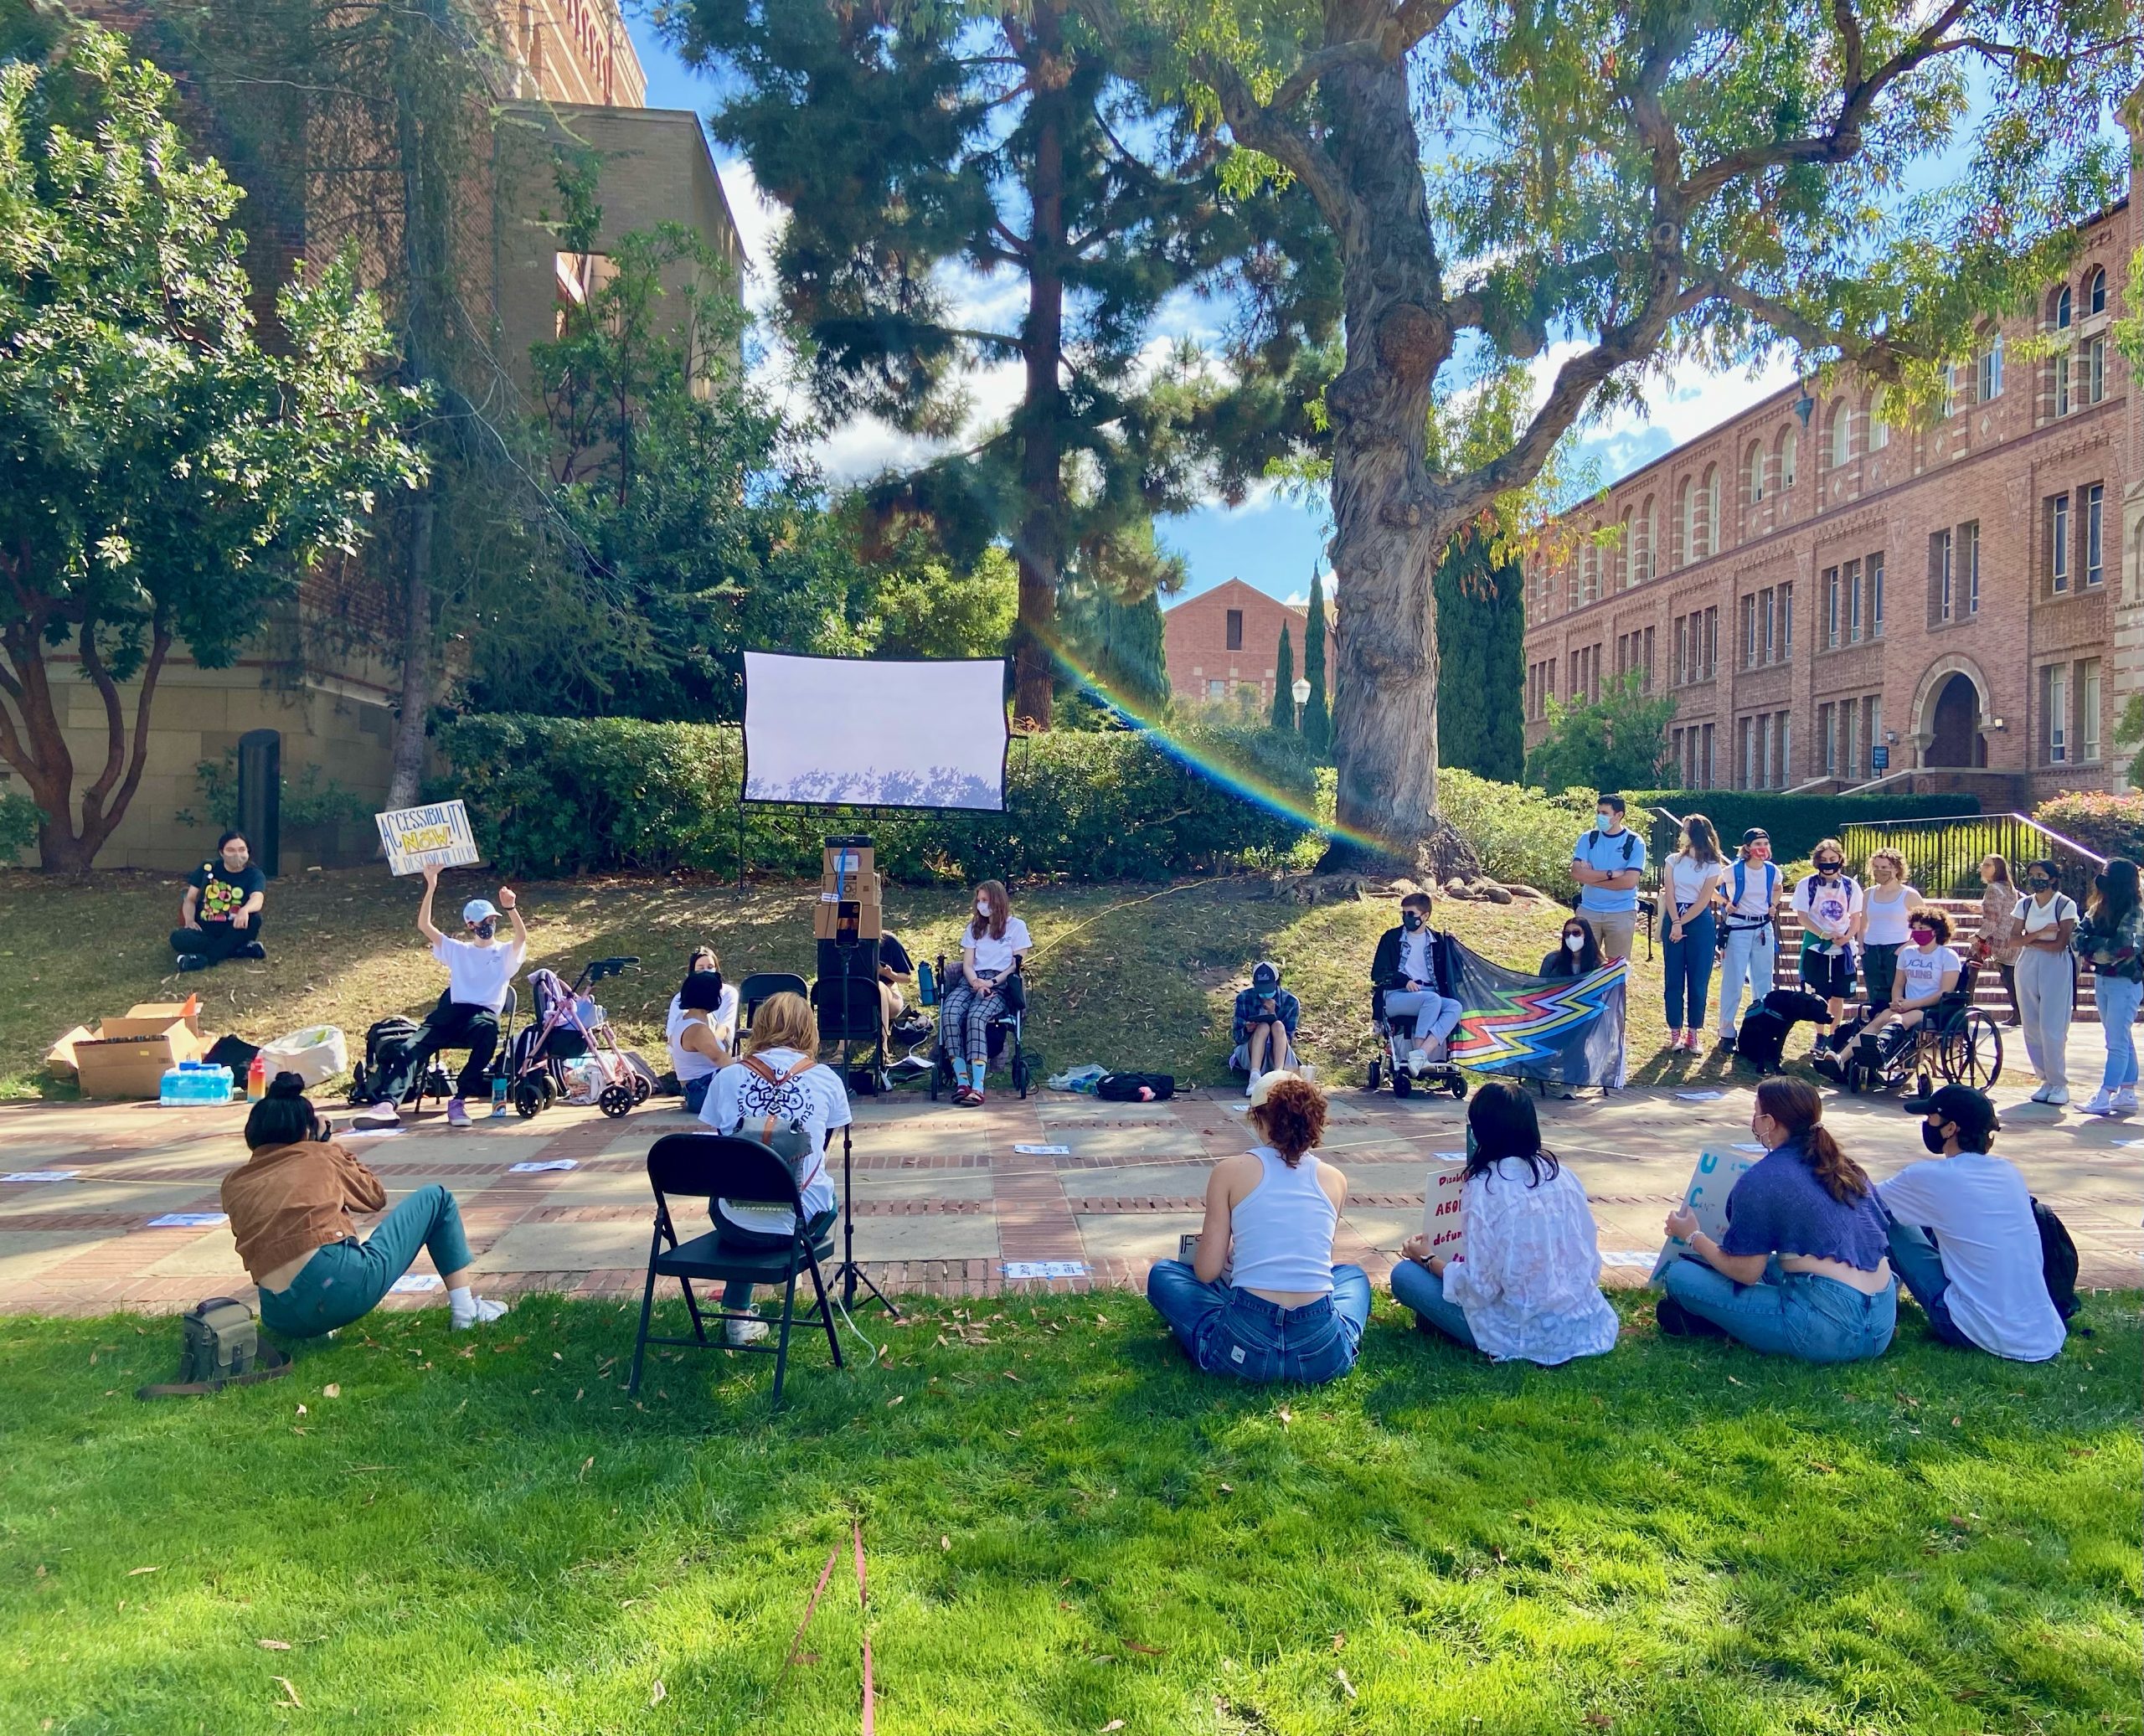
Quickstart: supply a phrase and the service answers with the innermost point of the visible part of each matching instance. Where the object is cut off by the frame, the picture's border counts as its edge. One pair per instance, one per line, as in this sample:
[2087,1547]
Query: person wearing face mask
[1577,953]
[1529,1285]
[1749,931]
[1266,1016]
[1962,1235]
[1409,974]
[219,917]
[1803,1270]
[1607,862]
[2047,977]
[479,967]
[1829,902]
[2113,937]
[993,946]
[1927,972]
[1887,906]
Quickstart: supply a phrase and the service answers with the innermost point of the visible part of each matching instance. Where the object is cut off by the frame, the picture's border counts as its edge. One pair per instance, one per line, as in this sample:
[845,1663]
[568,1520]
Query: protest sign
[438,836]
[1443,1221]
[1710,1184]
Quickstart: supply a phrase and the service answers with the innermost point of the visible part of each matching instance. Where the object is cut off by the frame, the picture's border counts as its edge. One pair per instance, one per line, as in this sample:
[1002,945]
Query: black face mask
[487,928]
[1931,1138]
[1829,868]
[2041,885]
[1411,921]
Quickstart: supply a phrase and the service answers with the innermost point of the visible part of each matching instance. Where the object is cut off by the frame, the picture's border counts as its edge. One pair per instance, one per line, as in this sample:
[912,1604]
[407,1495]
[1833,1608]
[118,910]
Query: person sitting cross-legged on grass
[1801,1271]
[290,1205]
[219,917]
[1263,1299]
[1528,1283]
[1963,1237]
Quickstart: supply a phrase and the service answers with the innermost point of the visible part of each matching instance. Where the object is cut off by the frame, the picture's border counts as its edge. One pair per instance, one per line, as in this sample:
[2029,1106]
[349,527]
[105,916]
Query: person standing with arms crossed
[1607,862]
[2047,977]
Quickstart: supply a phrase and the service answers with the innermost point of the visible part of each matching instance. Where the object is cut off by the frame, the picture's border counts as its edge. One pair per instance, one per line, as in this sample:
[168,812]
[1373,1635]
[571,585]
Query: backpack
[790,1142]
[1771,890]
[2058,1261]
[1136,1087]
[1762,1039]
[386,1042]
[1630,842]
[220,1346]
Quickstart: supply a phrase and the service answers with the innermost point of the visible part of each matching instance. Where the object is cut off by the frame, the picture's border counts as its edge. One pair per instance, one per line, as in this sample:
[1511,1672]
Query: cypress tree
[1284,677]
[1317,720]
[1480,659]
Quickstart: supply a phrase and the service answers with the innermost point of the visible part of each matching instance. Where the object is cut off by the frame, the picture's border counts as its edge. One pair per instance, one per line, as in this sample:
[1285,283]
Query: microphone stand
[848,1272]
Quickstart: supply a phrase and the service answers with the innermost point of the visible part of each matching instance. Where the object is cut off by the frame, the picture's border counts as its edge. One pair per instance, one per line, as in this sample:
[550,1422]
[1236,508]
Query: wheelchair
[1006,1036]
[1395,1042]
[1955,1041]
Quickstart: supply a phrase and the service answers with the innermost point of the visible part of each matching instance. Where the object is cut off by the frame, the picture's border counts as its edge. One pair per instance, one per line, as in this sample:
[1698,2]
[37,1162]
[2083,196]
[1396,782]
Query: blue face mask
[1472,1144]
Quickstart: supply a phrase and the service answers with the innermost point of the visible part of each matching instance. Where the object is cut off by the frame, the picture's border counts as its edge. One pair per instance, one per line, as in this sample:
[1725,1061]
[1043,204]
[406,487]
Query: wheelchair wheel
[1971,1050]
[937,1070]
[640,1088]
[615,1100]
[1020,1072]
[1457,1084]
[1377,1072]
[1402,1085]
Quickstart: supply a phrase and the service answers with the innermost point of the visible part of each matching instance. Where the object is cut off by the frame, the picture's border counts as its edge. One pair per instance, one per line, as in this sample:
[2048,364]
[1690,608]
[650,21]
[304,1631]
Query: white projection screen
[864,733]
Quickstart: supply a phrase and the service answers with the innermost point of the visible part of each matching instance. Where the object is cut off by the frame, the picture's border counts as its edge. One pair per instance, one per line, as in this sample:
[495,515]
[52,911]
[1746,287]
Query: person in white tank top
[1887,907]
[1262,1300]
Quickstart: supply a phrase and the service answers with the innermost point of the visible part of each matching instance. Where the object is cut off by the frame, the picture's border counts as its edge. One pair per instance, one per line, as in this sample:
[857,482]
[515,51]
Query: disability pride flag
[1562,1030]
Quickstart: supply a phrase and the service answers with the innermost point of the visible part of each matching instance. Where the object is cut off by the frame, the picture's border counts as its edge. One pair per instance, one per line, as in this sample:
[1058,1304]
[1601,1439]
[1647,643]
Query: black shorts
[1828,973]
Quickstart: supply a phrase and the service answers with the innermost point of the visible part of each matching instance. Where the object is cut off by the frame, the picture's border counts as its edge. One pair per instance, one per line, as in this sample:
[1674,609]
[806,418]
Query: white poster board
[438,835]
[1443,1220]
[1711,1181]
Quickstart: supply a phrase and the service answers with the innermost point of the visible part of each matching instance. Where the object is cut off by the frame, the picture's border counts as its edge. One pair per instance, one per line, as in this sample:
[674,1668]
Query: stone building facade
[1834,600]
[1224,642]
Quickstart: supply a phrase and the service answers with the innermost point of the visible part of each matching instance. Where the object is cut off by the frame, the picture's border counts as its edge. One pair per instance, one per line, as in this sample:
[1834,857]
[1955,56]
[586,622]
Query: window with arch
[1646,540]
[1879,419]
[1686,522]
[1990,383]
[1758,470]
[2096,292]
[1622,569]
[2060,310]
[1708,512]
[1789,455]
[1842,433]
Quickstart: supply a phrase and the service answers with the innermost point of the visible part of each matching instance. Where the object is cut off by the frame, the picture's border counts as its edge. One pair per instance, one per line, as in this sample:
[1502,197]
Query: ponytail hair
[1795,1104]
[284,1117]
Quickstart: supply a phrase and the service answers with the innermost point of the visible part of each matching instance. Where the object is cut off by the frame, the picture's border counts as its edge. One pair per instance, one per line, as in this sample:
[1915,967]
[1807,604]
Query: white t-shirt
[1977,1205]
[689,1063]
[1415,956]
[2036,916]
[1924,971]
[997,956]
[476,975]
[809,1095]
[1888,921]
[1759,888]
[1687,877]
[1830,906]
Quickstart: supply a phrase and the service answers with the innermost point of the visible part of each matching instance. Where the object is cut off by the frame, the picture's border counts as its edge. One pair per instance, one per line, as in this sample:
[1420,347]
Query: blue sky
[1270,541]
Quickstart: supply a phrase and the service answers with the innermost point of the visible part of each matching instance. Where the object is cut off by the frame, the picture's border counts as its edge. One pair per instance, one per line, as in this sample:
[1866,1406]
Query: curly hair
[1292,1118]
[1929,917]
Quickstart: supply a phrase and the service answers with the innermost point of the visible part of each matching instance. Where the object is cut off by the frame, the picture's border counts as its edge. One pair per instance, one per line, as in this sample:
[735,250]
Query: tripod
[851,1274]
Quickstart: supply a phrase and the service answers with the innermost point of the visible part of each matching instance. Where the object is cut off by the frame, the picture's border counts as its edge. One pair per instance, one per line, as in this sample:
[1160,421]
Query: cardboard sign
[438,835]
[1711,1181]
[1443,1219]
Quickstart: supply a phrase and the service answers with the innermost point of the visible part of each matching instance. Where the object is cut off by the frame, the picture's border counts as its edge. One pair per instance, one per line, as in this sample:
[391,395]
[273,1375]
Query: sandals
[967,1097]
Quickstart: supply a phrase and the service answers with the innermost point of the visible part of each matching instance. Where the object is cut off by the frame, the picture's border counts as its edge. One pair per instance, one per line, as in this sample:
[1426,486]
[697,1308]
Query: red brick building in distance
[1835,601]
[1226,639]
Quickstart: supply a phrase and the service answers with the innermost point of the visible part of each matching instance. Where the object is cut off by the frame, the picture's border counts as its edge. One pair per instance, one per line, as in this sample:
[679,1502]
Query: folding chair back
[848,1009]
[762,986]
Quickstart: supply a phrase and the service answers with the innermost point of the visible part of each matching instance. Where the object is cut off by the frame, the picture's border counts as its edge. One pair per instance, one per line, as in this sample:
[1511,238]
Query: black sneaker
[252,949]
[193,961]
[1677,1322]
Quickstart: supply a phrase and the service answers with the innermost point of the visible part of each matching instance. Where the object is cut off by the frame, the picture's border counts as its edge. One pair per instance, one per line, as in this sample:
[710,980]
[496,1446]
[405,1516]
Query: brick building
[1224,642]
[564,75]
[1824,591]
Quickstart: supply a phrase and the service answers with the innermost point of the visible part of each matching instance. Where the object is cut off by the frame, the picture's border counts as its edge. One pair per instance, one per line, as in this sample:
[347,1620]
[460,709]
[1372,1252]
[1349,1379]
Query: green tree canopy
[1482,658]
[1616,742]
[170,476]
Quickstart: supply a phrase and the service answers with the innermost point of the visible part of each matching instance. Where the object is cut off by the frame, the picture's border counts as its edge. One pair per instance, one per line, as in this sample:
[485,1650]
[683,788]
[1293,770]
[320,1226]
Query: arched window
[1624,571]
[1841,432]
[1789,456]
[1990,383]
[1758,469]
[1648,540]
[1880,420]
[1686,522]
[2058,310]
[1709,511]
[2096,292]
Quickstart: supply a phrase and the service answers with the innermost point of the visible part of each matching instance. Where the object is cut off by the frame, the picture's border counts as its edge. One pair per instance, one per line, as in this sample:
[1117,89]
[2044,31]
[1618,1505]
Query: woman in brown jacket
[291,1204]
[2001,927]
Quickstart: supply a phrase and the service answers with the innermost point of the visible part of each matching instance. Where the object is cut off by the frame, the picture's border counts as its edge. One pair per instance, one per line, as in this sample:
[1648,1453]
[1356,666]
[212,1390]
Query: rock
[1454,888]
[1495,894]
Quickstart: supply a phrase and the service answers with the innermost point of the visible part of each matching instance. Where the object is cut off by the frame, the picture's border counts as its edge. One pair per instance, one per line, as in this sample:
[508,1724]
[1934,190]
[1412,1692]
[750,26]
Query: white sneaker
[2102,1104]
[2058,1096]
[2040,1095]
[484,1311]
[743,1332]
[1250,1084]
[2125,1101]
[1417,1062]
[379,1114]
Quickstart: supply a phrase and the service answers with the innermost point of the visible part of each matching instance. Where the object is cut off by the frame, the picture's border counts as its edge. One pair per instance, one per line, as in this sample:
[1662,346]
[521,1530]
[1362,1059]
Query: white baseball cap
[478,909]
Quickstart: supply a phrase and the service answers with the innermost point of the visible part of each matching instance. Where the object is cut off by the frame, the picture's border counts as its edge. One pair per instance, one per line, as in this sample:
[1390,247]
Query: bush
[1519,833]
[2106,824]
[1796,823]
[311,801]
[19,820]
[554,795]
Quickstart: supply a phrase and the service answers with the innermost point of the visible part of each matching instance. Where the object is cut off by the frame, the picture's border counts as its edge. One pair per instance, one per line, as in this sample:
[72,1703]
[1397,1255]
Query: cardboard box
[128,1056]
[866,888]
[842,860]
[842,918]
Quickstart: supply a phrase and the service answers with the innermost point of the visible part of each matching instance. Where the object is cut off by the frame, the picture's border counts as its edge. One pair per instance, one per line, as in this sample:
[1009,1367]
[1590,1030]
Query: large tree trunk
[1383,656]
[406,764]
[1038,549]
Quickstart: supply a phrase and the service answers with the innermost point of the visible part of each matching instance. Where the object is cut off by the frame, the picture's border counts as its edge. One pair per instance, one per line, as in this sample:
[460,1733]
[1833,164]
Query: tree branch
[114,719]
[1415,21]
[1881,357]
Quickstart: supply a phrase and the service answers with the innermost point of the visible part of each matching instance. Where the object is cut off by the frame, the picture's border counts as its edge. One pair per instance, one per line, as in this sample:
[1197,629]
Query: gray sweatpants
[2047,988]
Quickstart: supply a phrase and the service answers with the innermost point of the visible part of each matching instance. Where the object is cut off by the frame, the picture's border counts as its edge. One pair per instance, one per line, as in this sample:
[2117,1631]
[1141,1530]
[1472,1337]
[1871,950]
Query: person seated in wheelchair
[1926,983]
[1265,1026]
[993,946]
[1408,977]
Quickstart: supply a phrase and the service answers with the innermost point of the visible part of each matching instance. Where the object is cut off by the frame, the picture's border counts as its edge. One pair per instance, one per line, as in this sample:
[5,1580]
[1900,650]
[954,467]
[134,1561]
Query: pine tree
[1317,720]
[1481,660]
[1284,677]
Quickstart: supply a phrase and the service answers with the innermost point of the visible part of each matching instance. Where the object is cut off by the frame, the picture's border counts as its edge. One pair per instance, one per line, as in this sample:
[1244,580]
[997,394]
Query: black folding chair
[850,1012]
[760,987]
[718,1166]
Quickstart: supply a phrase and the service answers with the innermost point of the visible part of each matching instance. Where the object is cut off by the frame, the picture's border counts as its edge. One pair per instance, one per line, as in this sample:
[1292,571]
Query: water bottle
[926,985]
[256,1080]
[498,1094]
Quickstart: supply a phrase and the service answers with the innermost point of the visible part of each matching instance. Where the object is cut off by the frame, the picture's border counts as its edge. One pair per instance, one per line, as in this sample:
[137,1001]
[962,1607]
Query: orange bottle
[256,1080]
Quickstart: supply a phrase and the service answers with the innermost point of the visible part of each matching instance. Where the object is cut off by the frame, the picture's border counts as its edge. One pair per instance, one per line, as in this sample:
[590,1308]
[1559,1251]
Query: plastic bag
[316,1054]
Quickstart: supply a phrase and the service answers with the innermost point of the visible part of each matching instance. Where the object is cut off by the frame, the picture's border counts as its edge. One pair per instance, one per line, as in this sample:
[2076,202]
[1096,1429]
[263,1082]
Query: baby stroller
[1955,1039]
[1008,1031]
[568,1025]
[1396,1043]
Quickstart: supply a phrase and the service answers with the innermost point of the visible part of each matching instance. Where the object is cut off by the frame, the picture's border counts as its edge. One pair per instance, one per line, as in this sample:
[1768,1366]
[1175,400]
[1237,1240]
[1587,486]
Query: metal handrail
[1944,852]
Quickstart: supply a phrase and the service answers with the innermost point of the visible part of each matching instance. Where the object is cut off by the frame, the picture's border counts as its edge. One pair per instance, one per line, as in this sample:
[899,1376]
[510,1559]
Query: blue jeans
[1227,1330]
[1418,1288]
[1750,954]
[1689,964]
[1920,1267]
[344,1281]
[1434,1014]
[696,1090]
[1789,1314]
[2118,998]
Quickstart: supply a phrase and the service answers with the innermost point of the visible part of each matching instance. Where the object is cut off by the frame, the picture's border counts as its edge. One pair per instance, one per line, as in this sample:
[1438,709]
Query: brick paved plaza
[943,1196]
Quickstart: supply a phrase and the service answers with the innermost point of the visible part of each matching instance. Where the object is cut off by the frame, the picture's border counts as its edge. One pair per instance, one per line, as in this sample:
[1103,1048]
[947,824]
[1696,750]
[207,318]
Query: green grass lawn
[1067,1531]
[1130,976]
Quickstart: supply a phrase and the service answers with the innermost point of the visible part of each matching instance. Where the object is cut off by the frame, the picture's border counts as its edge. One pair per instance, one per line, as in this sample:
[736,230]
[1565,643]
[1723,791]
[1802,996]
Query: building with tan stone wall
[1824,591]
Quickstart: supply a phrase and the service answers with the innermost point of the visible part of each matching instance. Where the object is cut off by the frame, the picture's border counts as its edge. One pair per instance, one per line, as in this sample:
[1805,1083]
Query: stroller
[567,1026]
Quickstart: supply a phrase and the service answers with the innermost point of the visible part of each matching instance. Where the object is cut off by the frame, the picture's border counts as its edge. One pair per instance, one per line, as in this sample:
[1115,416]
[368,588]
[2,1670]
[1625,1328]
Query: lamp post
[1299,691]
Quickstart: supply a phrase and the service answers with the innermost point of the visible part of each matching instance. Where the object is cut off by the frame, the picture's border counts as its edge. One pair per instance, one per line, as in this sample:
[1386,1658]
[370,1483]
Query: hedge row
[1796,823]
[563,795]
[2103,822]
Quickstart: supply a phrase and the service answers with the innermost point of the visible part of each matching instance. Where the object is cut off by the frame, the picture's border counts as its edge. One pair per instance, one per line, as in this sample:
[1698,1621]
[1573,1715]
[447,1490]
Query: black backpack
[385,1044]
[1136,1087]
[1762,1039]
[2058,1261]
